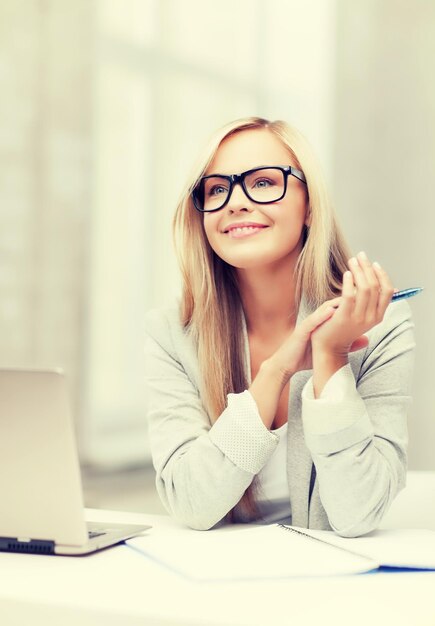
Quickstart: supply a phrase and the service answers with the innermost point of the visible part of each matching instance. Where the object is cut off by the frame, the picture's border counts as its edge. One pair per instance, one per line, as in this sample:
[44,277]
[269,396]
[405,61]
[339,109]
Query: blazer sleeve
[202,471]
[359,441]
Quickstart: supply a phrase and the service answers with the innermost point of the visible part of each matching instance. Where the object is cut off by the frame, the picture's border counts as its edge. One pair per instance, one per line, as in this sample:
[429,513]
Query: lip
[231,228]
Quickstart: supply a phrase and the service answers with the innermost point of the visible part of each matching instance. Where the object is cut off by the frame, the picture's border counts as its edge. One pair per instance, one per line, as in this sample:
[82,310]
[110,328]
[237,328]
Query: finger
[348,294]
[313,321]
[386,290]
[334,302]
[362,295]
[374,287]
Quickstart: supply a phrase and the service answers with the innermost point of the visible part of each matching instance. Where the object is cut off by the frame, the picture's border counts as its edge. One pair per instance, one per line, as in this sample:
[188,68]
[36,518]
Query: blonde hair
[211,309]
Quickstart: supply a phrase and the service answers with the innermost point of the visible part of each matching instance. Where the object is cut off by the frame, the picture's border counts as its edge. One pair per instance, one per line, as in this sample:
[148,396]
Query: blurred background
[104,106]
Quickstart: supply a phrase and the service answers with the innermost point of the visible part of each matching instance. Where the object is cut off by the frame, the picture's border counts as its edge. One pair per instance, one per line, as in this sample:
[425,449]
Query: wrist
[275,370]
[329,351]
[332,359]
[325,364]
[266,389]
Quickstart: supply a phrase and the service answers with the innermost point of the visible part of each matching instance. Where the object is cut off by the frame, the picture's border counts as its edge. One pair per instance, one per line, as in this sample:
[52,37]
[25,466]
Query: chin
[251,262]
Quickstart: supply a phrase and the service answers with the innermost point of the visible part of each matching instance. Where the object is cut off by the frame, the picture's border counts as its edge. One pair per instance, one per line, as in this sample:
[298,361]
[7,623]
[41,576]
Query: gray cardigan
[346,458]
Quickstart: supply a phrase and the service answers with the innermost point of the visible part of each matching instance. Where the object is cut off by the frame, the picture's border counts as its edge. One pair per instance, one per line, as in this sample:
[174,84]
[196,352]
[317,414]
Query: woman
[278,387]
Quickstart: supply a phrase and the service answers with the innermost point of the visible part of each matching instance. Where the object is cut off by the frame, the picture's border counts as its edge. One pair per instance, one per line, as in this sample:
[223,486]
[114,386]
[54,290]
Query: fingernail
[362,255]
[376,264]
[353,261]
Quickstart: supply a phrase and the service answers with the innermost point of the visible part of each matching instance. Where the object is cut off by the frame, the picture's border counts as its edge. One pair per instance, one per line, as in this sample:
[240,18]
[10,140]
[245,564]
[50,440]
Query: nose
[238,201]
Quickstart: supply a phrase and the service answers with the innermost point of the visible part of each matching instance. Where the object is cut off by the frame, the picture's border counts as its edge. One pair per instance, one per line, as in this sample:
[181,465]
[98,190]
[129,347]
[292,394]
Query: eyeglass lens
[264,185]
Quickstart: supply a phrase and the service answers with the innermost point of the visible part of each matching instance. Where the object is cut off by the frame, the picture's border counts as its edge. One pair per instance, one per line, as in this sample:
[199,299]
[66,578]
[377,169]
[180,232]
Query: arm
[357,433]
[202,471]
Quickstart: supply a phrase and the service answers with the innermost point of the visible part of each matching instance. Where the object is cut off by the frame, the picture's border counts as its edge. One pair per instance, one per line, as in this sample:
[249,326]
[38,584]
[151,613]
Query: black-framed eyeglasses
[261,185]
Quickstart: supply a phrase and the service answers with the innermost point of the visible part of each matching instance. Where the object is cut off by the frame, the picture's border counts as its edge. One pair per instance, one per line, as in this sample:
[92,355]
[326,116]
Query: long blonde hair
[211,309]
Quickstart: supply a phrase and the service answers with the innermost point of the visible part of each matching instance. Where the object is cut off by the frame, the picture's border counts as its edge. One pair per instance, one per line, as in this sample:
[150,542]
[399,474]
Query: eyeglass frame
[234,179]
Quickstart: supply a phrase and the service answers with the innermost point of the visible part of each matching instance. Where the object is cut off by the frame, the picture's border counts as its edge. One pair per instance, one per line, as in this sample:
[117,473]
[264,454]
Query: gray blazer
[346,456]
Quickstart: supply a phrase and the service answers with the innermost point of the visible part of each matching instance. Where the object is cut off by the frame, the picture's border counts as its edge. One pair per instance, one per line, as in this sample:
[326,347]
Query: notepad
[401,548]
[247,553]
[279,551]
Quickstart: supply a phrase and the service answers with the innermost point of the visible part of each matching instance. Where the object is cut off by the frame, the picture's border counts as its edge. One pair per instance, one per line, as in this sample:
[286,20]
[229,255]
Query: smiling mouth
[244,231]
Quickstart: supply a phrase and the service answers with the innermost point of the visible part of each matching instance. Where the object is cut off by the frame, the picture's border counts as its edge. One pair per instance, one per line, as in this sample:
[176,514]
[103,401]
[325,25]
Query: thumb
[358,344]
[317,318]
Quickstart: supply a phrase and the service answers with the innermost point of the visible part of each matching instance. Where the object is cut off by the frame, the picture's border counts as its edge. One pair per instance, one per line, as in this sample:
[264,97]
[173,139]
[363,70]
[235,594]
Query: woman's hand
[294,354]
[337,327]
[366,293]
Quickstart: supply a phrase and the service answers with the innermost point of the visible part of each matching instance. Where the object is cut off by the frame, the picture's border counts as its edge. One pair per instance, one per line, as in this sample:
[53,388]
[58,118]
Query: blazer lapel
[299,461]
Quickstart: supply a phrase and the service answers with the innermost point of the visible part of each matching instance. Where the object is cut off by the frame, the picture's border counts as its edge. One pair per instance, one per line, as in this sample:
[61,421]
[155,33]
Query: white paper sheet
[248,553]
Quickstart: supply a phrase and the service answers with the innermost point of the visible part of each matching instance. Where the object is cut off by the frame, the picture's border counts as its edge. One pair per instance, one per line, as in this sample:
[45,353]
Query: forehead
[248,149]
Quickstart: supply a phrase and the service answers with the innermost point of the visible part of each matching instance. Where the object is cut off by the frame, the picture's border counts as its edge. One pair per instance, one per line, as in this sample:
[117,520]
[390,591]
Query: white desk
[121,587]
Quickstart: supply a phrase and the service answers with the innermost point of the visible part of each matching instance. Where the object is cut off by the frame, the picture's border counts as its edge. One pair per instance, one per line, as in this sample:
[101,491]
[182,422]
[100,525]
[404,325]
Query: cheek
[206,225]
[289,217]
[211,230]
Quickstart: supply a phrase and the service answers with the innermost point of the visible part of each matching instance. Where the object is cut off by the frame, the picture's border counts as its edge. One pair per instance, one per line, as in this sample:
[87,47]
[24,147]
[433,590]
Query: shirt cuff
[339,386]
[338,407]
[241,434]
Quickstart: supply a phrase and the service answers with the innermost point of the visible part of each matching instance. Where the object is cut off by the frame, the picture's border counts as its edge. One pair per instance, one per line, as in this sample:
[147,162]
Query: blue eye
[262,183]
[217,189]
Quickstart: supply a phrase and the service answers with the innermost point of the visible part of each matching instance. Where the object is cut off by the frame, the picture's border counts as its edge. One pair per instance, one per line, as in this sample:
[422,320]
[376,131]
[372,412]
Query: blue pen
[406,293]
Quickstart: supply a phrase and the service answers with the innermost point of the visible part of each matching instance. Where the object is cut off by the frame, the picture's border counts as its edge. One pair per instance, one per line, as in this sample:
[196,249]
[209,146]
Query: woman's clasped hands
[337,327]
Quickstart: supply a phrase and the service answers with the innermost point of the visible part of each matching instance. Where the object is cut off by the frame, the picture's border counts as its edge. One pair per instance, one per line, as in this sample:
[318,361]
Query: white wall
[45,150]
[385,166]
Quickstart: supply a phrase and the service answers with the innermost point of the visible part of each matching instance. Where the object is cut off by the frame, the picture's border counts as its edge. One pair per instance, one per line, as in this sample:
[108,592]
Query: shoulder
[391,344]
[397,323]
[163,326]
[161,321]
[398,312]
[165,333]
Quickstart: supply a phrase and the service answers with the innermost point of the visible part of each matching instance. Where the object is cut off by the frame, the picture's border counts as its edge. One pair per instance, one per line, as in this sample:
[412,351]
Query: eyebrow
[249,168]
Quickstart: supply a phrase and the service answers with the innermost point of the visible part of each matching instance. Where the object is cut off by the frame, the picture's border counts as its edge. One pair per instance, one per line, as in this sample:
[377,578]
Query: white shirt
[272,496]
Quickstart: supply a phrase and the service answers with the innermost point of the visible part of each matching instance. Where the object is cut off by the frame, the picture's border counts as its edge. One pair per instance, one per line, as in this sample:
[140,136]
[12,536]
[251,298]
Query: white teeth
[244,229]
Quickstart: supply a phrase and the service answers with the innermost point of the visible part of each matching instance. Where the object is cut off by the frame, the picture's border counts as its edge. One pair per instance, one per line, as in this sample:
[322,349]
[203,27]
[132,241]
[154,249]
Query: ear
[307,221]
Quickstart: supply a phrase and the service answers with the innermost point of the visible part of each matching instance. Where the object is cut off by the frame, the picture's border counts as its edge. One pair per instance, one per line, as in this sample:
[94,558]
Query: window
[168,73]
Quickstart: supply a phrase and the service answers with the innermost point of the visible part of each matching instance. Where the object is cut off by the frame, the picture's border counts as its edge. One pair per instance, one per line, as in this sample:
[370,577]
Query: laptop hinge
[30,546]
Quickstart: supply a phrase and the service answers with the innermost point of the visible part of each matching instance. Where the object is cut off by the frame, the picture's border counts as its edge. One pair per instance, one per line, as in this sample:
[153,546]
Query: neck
[268,298]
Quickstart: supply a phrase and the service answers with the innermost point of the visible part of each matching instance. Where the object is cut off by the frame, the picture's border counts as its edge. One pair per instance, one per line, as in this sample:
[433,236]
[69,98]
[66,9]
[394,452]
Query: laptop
[41,500]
